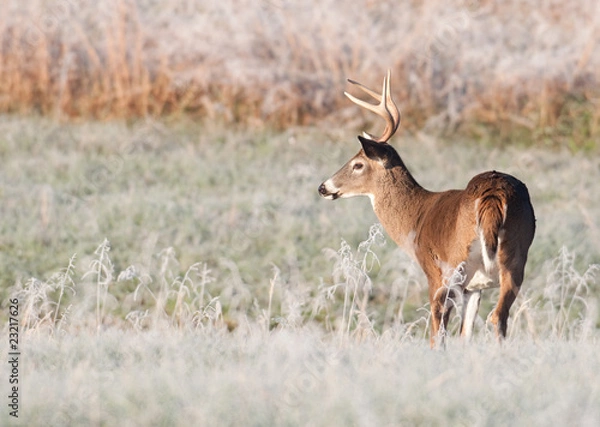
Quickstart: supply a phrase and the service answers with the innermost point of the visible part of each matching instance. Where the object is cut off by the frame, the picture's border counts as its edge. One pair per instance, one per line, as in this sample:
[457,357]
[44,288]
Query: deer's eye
[358,166]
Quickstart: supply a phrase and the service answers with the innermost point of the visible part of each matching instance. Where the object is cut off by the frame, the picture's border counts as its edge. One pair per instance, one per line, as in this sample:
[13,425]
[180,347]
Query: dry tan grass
[519,67]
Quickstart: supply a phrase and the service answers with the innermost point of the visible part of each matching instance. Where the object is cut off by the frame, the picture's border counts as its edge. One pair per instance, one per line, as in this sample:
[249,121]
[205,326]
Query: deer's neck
[398,201]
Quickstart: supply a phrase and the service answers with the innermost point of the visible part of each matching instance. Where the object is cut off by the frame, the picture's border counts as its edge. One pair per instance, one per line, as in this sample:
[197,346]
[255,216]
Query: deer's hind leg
[511,278]
[471,300]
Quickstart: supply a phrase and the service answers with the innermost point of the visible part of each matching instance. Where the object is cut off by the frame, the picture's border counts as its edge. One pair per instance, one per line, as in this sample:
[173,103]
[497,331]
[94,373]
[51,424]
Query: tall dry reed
[517,67]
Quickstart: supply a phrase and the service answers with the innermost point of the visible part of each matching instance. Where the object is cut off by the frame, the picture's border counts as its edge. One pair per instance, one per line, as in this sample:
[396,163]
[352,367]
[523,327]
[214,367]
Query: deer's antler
[386,107]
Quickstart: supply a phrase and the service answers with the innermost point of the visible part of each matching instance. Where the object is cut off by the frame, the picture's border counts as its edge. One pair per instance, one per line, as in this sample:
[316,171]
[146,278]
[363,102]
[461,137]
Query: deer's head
[359,176]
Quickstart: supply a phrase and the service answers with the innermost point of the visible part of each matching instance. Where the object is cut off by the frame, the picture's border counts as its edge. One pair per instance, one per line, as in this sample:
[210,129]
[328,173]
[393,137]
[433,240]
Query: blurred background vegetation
[516,71]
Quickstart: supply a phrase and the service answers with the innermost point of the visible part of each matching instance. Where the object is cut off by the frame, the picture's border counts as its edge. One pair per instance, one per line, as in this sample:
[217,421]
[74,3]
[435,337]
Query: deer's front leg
[440,299]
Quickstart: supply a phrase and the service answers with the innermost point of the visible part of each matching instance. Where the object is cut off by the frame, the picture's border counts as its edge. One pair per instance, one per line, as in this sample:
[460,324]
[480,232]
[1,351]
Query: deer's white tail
[491,214]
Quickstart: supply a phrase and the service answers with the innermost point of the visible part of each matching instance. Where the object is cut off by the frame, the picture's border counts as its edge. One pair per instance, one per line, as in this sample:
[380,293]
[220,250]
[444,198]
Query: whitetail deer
[476,238]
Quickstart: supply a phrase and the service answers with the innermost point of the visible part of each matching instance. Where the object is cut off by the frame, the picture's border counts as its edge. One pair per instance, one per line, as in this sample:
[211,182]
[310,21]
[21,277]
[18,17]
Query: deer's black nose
[322,190]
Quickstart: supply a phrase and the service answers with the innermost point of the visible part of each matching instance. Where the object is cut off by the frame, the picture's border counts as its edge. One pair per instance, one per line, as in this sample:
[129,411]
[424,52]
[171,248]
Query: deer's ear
[376,151]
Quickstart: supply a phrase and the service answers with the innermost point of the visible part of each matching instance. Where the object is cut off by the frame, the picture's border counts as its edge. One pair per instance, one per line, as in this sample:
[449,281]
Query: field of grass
[299,377]
[180,273]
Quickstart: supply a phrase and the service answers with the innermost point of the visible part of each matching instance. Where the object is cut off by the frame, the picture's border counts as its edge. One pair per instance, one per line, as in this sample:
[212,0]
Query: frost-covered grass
[243,202]
[178,274]
[301,377]
[188,367]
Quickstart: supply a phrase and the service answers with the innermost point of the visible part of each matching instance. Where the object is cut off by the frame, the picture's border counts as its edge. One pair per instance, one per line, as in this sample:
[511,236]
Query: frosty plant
[36,297]
[567,296]
[186,293]
[351,272]
[102,270]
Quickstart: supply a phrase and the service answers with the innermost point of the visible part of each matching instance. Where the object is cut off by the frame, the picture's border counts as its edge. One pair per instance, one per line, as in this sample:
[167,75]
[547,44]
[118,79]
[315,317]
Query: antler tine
[385,109]
[390,105]
[366,89]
